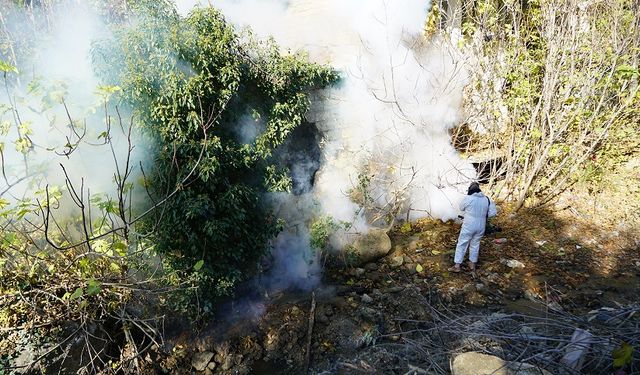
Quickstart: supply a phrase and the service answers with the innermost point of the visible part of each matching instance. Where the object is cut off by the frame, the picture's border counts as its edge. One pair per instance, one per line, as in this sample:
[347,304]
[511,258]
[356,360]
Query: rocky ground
[405,313]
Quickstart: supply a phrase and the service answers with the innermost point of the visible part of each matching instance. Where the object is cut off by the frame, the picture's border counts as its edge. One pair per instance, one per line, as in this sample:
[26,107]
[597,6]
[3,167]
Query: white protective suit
[475,209]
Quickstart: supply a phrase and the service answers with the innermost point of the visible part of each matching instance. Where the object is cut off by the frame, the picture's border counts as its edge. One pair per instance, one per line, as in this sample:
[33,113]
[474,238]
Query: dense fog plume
[385,127]
[54,109]
[385,147]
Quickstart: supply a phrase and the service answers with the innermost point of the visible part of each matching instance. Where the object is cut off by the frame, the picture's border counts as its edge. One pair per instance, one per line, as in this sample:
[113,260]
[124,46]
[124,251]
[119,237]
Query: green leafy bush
[191,81]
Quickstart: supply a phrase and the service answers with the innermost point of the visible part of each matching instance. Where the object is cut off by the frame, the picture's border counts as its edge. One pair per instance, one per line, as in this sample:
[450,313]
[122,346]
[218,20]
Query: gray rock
[371,246]
[397,261]
[410,268]
[366,299]
[359,272]
[369,314]
[414,243]
[478,364]
[493,278]
[393,289]
[512,263]
[374,276]
[483,364]
[371,267]
[201,360]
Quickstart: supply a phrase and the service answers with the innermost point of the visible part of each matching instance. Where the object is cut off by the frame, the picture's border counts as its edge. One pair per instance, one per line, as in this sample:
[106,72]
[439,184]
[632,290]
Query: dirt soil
[365,317]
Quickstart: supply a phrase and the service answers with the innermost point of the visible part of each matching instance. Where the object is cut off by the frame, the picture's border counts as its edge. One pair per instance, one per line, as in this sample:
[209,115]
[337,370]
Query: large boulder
[483,364]
[370,247]
[478,364]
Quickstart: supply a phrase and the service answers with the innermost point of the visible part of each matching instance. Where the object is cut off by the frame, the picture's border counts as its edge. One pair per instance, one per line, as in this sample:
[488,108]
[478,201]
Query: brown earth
[370,319]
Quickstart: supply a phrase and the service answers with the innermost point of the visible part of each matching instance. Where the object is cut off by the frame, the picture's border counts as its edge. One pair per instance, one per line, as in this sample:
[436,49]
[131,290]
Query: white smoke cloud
[393,109]
[56,74]
[387,120]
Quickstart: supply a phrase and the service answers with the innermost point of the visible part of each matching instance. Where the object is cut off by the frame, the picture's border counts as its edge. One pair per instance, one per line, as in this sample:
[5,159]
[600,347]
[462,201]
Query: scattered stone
[493,278]
[540,243]
[366,298]
[483,364]
[512,263]
[371,266]
[394,289]
[397,261]
[410,268]
[359,272]
[500,240]
[375,276]
[211,365]
[469,288]
[201,360]
[370,315]
[371,246]
[414,243]
[418,251]
[227,363]
[480,287]
[478,364]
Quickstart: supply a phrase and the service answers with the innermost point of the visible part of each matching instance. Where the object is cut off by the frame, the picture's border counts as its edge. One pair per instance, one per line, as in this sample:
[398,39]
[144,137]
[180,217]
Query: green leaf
[198,265]
[77,294]
[120,248]
[6,67]
[419,268]
[623,355]
[93,287]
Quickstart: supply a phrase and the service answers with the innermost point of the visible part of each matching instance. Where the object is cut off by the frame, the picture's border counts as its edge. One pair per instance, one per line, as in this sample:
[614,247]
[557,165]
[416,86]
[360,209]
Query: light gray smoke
[385,147]
[56,109]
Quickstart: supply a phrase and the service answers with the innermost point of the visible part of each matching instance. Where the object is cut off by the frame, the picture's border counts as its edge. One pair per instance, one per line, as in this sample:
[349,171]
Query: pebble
[410,268]
[359,271]
[366,298]
[512,263]
[397,261]
[371,267]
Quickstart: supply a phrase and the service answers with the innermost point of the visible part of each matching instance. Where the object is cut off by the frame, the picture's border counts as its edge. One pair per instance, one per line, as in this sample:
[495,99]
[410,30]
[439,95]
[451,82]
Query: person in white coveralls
[477,209]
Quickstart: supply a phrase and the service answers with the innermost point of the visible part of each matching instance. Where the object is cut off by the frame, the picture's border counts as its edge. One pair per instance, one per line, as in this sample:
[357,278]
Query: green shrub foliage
[193,83]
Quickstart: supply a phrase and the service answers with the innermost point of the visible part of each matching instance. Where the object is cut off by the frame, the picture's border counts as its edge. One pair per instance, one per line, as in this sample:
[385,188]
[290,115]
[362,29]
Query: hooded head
[474,188]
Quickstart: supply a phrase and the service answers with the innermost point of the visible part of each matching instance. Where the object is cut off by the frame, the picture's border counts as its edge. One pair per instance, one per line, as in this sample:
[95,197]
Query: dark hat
[474,188]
